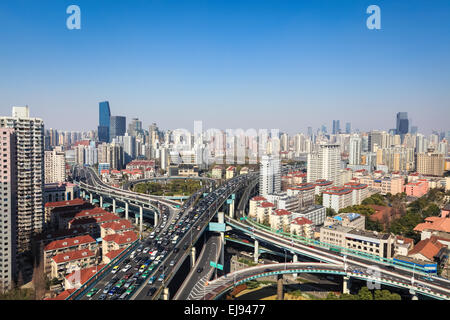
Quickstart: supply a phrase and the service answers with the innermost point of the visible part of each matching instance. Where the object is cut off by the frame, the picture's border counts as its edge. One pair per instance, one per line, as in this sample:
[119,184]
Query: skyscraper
[117,127]
[104,115]
[324,164]
[402,123]
[348,128]
[269,175]
[8,203]
[355,150]
[30,174]
[336,126]
[135,127]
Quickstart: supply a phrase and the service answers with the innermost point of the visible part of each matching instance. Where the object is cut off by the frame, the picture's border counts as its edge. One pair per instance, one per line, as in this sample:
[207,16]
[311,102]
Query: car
[199,270]
[107,287]
[130,289]
[145,274]
[120,283]
[91,292]
[151,291]
[151,280]
[126,268]
[176,250]
[145,250]
[123,296]
[161,277]
[139,281]
[102,297]
[172,263]
[115,269]
[112,291]
[127,276]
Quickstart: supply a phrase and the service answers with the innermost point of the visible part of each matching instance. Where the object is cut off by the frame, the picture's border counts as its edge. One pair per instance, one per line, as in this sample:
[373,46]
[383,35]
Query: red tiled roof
[84,274]
[301,221]
[63,295]
[282,212]
[258,198]
[67,203]
[434,223]
[69,242]
[429,248]
[121,238]
[114,253]
[117,225]
[73,255]
[266,204]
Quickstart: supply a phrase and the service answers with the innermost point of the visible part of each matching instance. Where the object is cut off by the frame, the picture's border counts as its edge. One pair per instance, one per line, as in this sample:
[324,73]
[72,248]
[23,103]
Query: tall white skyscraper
[30,174]
[355,150]
[269,175]
[8,203]
[324,164]
[55,166]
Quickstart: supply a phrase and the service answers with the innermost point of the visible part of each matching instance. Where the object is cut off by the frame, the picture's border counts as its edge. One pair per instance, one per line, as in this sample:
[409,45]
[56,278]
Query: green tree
[365,294]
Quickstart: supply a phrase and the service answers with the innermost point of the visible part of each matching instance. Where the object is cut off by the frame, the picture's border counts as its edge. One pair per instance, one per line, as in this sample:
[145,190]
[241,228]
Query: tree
[331,296]
[365,294]
[330,212]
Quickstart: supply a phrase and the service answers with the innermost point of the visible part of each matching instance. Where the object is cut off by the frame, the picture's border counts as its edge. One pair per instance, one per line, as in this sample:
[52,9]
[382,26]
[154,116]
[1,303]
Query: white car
[126,268]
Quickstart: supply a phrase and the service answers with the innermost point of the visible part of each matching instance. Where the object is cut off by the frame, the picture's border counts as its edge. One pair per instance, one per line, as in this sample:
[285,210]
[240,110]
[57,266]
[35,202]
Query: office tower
[336,127]
[129,148]
[414,129]
[153,133]
[8,203]
[421,145]
[365,143]
[375,138]
[324,164]
[402,123]
[269,175]
[135,127]
[117,127]
[310,132]
[54,166]
[104,115]
[348,128]
[431,164]
[30,174]
[324,129]
[355,150]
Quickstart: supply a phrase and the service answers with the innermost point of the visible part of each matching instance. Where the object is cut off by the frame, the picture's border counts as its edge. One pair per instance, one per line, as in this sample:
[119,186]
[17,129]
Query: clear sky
[231,63]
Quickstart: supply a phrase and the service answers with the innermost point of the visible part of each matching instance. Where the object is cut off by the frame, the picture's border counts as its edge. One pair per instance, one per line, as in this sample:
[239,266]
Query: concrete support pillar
[256,252]
[114,206]
[165,294]
[90,198]
[295,259]
[141,219]
[192,257]
[280,293]
[221,219]
[101,202]
[126,210]
[155,218]
[346,284]
[231,209]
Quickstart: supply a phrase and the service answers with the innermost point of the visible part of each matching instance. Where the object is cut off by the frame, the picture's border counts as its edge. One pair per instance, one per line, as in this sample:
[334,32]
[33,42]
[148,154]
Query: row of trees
[174,187]
[365,294]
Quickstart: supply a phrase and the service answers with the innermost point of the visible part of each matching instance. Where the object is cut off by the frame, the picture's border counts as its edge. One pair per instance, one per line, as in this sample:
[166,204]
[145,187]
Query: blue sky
[248,63]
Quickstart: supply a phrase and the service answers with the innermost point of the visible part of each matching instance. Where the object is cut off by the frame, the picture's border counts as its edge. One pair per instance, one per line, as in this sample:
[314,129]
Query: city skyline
[285,67]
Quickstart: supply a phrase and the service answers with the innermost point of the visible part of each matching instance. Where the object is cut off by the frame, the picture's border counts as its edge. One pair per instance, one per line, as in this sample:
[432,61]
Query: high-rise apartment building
[54,166]
[30,174]
[431,164]
[8,214]
[104,115]
[324,164]
[355,150]
[348,128]
[135,127]
[269,175]
[117,127]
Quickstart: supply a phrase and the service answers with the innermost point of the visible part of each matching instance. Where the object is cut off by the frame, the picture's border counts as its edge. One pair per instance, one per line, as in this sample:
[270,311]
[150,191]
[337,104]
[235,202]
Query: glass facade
[117,127]
[104,115]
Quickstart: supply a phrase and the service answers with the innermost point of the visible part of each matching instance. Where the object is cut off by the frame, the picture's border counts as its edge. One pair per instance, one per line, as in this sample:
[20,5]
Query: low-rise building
[253,204]
[118,241]
[314,213]
[301,226]
[65,263]
[230,172]
[280,219]
[354,220]
[66,245]
[417,189]
[263,211]
[216,172]
[77,278]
